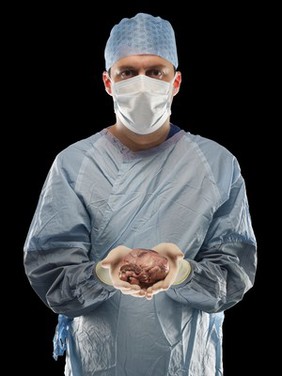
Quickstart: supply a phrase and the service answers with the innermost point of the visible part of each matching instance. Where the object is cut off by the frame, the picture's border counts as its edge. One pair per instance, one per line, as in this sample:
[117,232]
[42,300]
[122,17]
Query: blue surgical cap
[142,34]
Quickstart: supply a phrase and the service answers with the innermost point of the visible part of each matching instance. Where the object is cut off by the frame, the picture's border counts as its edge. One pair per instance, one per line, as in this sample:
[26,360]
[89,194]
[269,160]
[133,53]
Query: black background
[55,82]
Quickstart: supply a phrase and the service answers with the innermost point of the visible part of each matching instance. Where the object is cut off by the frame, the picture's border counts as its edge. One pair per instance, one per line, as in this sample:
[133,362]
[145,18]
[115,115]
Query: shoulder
[220,164]
[79,150]
[82,146]
[71,159]
[212,152]
[210,148]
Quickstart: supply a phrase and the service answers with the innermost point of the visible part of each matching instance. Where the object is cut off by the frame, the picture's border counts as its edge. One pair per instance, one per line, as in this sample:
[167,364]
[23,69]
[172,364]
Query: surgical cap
[142,34]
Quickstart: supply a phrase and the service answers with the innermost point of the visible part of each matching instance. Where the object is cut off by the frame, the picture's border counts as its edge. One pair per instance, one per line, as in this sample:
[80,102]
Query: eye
[155,73]
[127,73]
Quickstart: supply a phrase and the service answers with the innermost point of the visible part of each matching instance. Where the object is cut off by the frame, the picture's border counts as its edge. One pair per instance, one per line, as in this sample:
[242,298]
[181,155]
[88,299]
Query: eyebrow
[134,67]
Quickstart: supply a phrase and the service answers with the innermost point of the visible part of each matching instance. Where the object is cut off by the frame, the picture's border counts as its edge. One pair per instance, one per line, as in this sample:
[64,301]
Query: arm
[56,257]
[225,266]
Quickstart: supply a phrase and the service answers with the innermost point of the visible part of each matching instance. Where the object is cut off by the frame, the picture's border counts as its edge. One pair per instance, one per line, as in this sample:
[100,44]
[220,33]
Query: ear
[107,82]
[177,82]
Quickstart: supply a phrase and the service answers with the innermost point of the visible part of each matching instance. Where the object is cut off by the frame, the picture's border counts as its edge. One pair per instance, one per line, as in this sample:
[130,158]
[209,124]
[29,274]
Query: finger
[160,286]
[139,294]
[125,286]
[114,256]
[149,294]
[169,249]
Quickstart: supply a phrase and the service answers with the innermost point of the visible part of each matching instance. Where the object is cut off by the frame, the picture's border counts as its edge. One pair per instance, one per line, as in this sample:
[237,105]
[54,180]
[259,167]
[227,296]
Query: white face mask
[142,103]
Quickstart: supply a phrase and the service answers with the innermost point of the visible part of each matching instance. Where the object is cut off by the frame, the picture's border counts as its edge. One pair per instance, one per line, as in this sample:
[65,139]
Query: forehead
[141,62]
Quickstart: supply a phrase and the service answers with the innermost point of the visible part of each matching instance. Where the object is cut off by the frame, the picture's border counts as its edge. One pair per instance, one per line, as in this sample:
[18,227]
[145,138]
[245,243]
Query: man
[142,183]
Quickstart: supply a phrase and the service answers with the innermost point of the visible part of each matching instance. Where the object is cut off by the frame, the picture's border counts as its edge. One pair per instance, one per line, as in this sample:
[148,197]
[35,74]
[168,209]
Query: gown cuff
[183,273]
[103,274]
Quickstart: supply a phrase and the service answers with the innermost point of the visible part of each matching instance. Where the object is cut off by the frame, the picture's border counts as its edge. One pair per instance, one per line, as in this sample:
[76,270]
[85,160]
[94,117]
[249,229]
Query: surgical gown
[98,194]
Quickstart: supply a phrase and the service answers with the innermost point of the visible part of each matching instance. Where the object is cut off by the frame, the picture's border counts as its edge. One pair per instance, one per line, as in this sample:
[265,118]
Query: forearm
[73,289]
[218,283]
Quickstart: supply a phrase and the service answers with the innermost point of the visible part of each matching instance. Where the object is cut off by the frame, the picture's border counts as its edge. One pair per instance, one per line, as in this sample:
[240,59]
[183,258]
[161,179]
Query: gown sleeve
[56,250]
[225,266]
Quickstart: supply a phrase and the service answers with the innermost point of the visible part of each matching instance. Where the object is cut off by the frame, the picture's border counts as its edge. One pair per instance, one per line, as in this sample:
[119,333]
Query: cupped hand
[113,262]
[174,255]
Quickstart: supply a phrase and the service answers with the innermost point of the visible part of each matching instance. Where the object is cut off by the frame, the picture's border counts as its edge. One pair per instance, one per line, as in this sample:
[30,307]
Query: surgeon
[142,182]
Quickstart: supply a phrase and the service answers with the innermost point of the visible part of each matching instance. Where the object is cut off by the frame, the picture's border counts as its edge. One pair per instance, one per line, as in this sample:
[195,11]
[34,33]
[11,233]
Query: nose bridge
[142,77]
[142,71]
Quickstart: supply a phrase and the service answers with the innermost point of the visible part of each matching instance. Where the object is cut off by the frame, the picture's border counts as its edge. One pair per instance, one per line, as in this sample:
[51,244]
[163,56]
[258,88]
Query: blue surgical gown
[98,194]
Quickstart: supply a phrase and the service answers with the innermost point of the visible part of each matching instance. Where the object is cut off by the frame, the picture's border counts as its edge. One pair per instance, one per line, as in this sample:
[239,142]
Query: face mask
[142,103]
